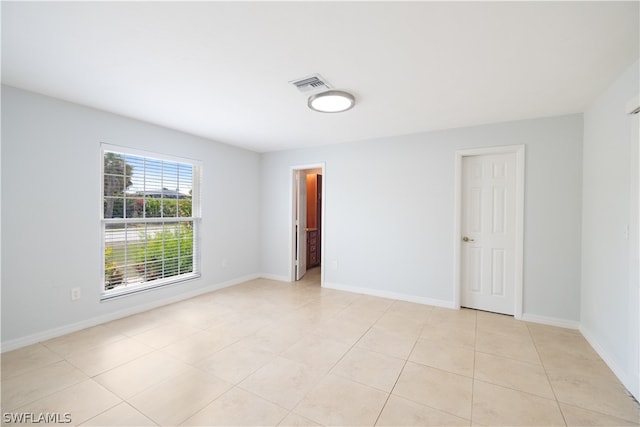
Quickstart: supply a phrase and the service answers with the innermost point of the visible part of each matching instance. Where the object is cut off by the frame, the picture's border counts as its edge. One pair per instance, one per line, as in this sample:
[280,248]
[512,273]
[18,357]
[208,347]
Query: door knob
[466,239]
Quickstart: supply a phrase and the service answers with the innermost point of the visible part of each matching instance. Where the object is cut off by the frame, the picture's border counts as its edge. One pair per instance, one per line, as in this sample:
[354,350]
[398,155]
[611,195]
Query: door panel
[474,269]
[488,230]
[498,272]
[499,210]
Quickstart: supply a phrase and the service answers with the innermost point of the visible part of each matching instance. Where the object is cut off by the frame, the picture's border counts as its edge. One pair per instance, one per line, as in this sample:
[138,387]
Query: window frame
[195,218]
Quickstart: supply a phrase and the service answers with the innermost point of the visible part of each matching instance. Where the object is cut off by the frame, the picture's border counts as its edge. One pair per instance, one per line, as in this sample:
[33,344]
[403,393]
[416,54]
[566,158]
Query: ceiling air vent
[313,83]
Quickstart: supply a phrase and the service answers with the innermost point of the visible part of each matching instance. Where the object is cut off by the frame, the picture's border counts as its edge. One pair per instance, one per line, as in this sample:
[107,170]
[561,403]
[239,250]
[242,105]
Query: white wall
[609,304]
[51,205]
[389,212]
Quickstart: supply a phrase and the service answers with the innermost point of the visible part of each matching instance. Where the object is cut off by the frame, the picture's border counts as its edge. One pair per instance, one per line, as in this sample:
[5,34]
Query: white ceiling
[221,70]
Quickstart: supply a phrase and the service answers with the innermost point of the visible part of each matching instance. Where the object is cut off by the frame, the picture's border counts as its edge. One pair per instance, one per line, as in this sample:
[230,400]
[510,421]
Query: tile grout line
[473,376]
[398,378]
[546,374]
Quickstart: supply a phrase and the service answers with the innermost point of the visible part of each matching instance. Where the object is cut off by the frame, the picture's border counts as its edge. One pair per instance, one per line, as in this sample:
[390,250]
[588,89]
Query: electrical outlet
[224,263]
[75,294]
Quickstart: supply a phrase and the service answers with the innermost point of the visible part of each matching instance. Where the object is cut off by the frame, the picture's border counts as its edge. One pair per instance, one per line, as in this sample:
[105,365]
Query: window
[150,220]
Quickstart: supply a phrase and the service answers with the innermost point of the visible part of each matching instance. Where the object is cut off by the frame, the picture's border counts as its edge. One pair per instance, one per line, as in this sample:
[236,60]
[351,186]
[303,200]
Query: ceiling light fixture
[331,101]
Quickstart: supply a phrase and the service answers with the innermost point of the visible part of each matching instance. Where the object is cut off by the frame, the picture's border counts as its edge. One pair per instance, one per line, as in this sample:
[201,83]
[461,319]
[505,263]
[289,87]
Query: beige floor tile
[274,339]
[332,356]
[122,415]
[133,377]
[136,324]
[297,323]
[83,340]
[282,381]
[317,352]
[499,406]
[510,373]
[295,420]
[403,412]
[347,332]
[563,344]
[438,389]
[372,303]
[260,308]
[81,401]
[463,317]
[310,316]
[195,348]
[38,383]
[359,314]
[338,298]
[445,356]
[501,324]
[238,407]
[545,333]
[166,334]
[463,335]
[102,358]
[239,328]
[571,354]
[564,364]
[337,401]
[172,401]
[216,313]
[389,343]
[201,314]
[601,395]
[410,310]
[26,359]
[511,346]
[329,304]
[236,362]
[401,325]
[577,417]
[370,368]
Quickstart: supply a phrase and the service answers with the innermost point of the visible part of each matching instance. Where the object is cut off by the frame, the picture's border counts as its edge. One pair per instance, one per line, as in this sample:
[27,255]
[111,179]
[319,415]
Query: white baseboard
[551,321]
[390,295]
[632,384]
[94,321]
[274,277]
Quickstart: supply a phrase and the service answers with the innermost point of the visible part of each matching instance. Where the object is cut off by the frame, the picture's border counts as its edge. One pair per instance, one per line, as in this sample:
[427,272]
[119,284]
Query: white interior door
[488,232]
[301,224]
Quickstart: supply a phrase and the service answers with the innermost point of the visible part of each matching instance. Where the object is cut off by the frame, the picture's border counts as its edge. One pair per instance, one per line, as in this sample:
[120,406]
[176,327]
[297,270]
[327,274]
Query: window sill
[136,289]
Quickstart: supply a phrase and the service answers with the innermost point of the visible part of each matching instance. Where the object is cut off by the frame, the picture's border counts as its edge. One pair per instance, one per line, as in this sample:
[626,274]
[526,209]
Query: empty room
[320,213]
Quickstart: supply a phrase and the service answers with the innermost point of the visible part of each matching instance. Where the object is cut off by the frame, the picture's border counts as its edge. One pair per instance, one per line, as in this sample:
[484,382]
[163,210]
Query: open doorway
[307,236]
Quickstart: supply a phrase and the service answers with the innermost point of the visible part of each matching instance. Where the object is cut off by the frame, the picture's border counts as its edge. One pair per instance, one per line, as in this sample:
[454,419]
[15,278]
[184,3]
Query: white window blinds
[150,220]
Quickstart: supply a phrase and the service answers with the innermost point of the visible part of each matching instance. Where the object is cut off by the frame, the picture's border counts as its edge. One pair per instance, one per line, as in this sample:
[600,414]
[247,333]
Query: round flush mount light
[331,101]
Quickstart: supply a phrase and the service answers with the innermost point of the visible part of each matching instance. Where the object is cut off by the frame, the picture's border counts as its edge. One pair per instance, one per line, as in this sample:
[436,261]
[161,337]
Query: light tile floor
[271,353]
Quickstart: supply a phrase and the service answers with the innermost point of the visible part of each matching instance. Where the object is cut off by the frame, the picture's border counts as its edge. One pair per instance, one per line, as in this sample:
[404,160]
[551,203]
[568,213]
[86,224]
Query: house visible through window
[150,220]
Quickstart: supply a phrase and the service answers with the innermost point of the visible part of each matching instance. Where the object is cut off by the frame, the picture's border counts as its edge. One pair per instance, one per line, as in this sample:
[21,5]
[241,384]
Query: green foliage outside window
[113,276]
[168,253]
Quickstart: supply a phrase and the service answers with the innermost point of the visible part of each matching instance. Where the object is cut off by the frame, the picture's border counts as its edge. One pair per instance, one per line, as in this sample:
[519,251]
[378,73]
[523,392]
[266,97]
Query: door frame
[519,151]
[292,218]
[632,109]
